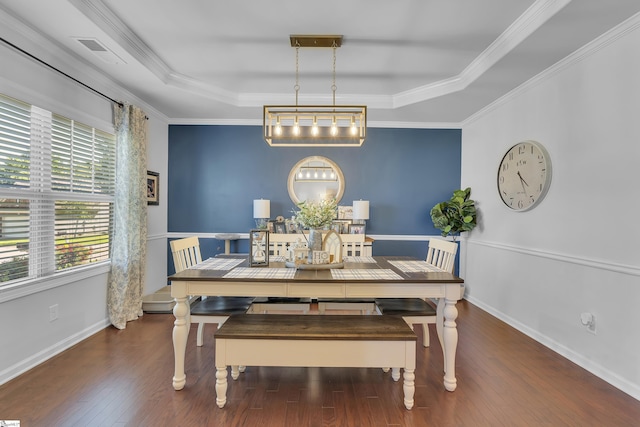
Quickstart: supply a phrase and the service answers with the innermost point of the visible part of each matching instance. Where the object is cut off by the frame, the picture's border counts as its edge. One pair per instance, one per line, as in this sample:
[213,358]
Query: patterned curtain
[129,247]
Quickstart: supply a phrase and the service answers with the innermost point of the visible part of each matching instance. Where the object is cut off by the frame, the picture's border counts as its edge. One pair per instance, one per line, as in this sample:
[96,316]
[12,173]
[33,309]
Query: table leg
[440,328]
[450,344]
[409,387]
[227,247]
[180,335]
[221,386]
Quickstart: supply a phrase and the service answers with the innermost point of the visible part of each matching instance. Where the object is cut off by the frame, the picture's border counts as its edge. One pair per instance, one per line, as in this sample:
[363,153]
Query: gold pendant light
[315,125]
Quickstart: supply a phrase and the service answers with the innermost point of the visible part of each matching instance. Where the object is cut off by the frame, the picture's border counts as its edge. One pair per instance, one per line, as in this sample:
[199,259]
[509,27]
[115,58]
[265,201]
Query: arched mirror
[315,178]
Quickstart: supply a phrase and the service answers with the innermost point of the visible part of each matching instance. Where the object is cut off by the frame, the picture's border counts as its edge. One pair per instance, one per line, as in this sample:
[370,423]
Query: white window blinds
[57,179]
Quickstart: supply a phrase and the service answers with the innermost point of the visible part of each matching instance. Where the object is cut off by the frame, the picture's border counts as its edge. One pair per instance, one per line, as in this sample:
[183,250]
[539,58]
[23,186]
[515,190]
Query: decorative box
[320,257]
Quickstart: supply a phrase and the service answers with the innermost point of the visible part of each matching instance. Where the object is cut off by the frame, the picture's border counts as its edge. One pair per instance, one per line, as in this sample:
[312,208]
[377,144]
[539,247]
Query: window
[57,180]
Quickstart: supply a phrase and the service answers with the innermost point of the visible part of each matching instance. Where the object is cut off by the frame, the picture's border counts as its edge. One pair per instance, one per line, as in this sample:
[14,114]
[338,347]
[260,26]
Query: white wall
[26,334]
[578,250]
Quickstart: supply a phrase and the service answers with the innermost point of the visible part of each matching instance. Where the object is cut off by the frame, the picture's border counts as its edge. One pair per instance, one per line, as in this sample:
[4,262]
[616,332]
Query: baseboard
[598,370]
[46,354]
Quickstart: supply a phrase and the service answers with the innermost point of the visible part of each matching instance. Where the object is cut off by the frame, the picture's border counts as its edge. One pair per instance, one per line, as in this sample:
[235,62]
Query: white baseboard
[46,354]
[615,380]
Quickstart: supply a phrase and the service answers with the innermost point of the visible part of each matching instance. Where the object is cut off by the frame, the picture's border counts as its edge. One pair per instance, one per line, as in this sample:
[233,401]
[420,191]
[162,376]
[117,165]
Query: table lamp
[261,212]
[360,211]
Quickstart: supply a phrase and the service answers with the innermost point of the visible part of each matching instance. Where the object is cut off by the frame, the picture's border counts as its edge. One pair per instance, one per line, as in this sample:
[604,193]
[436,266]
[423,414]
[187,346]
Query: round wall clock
[524,175]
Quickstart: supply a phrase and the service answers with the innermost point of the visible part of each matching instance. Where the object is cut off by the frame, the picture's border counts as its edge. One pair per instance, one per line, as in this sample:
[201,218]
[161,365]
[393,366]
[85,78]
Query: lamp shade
[361,209]
[262,208]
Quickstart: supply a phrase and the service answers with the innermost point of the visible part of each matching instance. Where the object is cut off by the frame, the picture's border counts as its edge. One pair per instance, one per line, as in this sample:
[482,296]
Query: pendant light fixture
[315,125]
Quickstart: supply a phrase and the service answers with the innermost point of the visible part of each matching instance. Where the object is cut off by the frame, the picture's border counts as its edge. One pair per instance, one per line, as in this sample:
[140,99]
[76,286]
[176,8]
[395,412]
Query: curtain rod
[62,72]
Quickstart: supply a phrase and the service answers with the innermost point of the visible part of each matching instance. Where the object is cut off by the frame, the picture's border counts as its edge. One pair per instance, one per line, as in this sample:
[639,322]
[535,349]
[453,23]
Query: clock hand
[523,183]
[522,179]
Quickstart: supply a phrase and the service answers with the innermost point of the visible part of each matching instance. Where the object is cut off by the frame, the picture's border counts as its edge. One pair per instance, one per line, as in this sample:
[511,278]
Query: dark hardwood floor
[123,378]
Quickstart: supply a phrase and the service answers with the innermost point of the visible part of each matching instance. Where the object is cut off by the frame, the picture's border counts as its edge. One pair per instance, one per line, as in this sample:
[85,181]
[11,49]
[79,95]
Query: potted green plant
[456,214]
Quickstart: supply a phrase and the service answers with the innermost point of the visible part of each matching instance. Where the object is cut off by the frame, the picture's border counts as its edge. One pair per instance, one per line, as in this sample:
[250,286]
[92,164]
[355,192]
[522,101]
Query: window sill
[33,286]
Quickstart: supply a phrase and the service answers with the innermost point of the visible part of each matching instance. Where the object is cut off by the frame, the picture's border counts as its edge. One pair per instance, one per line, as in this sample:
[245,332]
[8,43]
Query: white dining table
[362,277]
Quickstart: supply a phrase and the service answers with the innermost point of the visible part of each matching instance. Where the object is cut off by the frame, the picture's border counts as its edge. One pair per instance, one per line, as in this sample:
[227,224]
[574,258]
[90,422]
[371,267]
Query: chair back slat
[186,253]
[352,244]
[442,254]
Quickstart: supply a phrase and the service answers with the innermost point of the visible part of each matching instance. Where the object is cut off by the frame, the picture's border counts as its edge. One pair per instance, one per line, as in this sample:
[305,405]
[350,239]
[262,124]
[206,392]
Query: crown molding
[258,122]
[34,42]
[527,23]
[614,34]
[537,14]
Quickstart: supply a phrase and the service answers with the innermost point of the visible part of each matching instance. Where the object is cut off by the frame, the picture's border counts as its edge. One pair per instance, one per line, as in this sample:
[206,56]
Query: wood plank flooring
[123,378]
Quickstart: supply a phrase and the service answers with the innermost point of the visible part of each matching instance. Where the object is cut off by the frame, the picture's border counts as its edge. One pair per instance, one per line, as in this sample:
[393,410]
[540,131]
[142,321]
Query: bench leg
[221,386]
[409,387]
[235,371]
[395,374]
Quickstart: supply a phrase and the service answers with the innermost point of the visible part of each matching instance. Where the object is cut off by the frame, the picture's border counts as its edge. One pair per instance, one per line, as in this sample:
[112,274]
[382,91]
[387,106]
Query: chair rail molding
[587,262]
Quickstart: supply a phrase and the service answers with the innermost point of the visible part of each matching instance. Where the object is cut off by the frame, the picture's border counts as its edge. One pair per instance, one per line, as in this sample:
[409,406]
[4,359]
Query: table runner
[217,264]
[360,259]
[365,274]
[260,273]
[414,266]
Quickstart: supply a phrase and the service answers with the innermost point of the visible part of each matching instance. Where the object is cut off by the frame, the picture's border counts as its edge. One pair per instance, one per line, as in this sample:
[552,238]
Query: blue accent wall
[215,173]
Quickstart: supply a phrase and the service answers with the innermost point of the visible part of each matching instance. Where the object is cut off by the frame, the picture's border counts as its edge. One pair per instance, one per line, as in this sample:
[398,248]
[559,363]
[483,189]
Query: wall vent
[99,50]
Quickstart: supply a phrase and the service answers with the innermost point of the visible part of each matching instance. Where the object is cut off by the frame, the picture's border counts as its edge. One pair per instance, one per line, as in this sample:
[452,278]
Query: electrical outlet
[53,312]
[589,320]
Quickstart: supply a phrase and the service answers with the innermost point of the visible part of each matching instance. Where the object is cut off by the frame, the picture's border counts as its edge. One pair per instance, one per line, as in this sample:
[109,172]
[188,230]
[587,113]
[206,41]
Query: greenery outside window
[57,180]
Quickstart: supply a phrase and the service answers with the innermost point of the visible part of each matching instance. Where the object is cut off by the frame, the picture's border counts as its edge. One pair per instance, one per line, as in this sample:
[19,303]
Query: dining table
[358,277]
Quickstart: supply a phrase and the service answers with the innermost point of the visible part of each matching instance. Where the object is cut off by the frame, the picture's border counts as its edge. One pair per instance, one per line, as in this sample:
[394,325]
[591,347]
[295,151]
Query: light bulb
[296,127]
[334,127]
[314,128]
[300,174]
[354,129]
[315,175]
[324,174]
[278,129]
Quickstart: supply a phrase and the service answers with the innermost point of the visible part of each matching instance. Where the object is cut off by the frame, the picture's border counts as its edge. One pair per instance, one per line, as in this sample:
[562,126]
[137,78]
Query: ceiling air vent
[100,50]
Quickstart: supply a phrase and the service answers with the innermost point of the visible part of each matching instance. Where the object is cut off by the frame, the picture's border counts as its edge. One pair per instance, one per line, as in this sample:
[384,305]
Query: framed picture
[271,226]
[291,226]
[280,227]
[341,226]
[153,188]
[345,212]
[356,229]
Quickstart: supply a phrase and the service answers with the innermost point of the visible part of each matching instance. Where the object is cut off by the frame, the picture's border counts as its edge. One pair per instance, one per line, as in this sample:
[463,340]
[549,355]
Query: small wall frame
[153,188]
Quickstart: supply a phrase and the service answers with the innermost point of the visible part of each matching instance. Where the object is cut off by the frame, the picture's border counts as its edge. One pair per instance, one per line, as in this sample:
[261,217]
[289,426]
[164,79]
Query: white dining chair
[186,253]
[441,254]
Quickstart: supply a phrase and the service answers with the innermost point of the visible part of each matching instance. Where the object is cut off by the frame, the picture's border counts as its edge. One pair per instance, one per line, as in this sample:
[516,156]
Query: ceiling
[412,62]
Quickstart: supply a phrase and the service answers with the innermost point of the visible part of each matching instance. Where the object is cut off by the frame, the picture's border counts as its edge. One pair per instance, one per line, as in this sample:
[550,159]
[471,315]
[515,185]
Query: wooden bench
[314,341]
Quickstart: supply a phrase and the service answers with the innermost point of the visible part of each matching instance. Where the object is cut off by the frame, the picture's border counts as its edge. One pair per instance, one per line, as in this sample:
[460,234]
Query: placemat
[414,266]
[276,258]
[260,273]
[365,274]
[218,264]
[360,259]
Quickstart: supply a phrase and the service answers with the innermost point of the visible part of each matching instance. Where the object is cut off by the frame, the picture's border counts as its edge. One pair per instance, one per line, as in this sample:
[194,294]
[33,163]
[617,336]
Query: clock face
[524,175]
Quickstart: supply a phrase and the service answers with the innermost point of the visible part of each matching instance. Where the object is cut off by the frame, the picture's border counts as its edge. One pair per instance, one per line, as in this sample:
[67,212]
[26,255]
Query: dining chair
[186,253]
[279,247]
[352,245]
[441,254]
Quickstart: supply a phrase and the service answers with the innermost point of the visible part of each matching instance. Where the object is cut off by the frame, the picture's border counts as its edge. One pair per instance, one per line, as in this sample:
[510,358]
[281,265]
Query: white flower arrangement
[315,214]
